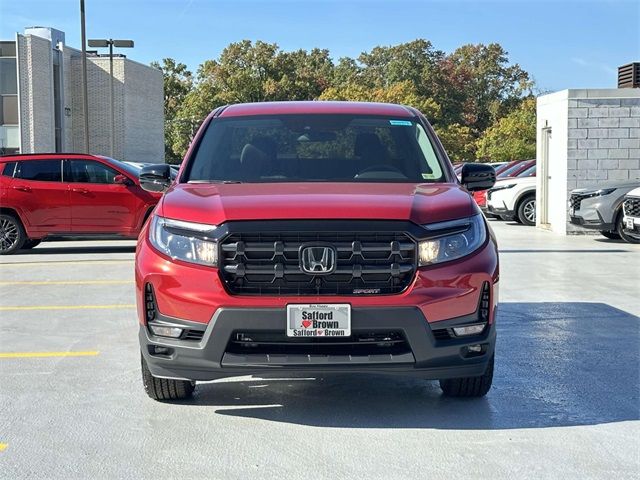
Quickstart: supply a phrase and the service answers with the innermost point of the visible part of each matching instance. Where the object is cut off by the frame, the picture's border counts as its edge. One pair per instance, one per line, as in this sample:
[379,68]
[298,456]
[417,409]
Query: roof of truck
[317,107]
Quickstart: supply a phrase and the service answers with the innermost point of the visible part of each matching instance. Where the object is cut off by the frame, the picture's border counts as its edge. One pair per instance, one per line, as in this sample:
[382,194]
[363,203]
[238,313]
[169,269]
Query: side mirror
[122,180]
[155,178]
[477,176]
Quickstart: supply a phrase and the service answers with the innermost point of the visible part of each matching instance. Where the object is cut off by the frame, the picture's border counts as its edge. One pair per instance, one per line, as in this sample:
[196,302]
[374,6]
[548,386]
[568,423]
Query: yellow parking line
[47,354]
[65,263]
[66,307]
[3,446]
[71,282]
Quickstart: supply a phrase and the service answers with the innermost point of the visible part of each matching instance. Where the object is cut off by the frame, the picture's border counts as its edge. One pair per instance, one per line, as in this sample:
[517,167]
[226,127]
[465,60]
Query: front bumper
[635,231]
[588,215]
[500,211]
[430,356]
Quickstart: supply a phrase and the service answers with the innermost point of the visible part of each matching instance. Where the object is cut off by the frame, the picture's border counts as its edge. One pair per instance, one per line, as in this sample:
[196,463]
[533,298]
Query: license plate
[319,320]
[629,223]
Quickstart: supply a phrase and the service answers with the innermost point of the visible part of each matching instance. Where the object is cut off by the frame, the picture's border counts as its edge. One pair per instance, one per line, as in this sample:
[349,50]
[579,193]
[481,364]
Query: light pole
[101,43]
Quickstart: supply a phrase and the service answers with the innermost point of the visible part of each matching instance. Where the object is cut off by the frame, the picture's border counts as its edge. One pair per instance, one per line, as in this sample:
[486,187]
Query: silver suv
[600,208]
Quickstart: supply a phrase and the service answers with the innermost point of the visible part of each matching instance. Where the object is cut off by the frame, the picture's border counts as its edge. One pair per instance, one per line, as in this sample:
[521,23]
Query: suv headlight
[502,187]
[186,241]
[459,238]
[596,193]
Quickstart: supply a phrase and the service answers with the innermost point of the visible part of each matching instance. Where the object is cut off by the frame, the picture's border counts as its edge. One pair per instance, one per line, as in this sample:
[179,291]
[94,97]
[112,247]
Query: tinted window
[134,171]
[315,148]
[40,170]
[86,171]
[8,169]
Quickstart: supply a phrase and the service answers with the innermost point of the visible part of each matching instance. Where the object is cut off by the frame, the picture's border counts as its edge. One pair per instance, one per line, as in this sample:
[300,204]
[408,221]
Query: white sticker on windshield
[400,123]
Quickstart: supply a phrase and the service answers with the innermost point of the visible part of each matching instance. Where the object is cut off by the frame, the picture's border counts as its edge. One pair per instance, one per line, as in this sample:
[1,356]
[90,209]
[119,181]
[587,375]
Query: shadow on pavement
[75,250]
[557,364]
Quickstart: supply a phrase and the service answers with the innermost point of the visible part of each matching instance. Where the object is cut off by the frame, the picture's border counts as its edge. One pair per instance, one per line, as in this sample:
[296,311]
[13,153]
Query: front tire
[164,389]
[469,386]
[12,235]
[527,211]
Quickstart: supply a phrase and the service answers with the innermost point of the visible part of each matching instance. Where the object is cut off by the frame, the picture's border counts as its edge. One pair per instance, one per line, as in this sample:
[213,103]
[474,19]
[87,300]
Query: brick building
[42,109]
[585,138]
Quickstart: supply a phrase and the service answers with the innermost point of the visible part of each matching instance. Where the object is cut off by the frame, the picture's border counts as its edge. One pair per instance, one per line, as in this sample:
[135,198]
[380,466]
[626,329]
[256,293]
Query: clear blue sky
[562,44]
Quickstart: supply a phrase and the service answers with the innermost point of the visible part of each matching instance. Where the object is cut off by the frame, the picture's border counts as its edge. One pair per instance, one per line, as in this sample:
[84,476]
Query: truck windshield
[314,148]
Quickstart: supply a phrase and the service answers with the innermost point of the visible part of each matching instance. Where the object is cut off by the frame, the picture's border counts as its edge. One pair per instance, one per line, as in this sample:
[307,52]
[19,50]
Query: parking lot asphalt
[565,401]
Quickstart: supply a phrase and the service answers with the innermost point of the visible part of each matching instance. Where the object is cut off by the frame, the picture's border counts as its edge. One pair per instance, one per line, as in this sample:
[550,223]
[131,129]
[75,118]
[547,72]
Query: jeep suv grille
[632,207]
[268,263]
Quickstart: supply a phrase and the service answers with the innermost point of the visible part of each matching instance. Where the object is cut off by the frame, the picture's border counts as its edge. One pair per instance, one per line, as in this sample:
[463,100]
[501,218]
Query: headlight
[596,193]
[459,238]
[502,187]
[185,241]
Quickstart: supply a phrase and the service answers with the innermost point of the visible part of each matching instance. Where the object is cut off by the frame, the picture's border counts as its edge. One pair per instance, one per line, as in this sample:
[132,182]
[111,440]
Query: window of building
[8,76]
[7,49]
[9,110]
[40,170]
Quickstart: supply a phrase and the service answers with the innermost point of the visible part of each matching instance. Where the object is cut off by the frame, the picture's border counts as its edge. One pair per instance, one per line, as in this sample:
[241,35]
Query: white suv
[514,199]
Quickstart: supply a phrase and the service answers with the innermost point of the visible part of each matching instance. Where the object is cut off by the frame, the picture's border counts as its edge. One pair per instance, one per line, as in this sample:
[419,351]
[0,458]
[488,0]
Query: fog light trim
[467,330]
[165,331]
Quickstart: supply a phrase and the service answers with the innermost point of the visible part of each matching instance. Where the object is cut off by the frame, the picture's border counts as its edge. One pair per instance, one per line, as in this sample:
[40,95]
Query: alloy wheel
[530,211]
[9,234]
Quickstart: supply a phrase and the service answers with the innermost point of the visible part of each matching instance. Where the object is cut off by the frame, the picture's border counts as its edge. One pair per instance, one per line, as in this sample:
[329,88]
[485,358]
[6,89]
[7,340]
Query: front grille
[632,207]
[268,263]
[359,343]
[575,201]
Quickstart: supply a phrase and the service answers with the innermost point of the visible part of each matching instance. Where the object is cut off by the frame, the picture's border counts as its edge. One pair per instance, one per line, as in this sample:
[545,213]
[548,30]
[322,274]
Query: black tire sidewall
[22,237]
[521,206]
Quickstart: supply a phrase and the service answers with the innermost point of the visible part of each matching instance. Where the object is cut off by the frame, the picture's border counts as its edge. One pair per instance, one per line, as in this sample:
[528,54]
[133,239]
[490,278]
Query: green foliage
[459,142]
[513,137]
[463,93]
[178,83]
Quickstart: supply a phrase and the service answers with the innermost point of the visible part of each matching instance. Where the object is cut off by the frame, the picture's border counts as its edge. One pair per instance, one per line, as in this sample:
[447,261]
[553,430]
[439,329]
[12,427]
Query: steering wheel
[380,168]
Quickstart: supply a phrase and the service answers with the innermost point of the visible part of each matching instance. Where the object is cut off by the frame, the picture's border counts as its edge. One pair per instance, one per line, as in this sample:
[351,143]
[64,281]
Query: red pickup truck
[316,238]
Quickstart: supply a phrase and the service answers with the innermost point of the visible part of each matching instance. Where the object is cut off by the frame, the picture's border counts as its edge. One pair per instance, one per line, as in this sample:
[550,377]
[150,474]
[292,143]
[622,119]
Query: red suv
[316,237]
[68,194]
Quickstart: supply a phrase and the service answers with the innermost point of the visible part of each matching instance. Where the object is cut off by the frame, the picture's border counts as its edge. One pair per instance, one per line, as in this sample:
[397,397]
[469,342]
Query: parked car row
[602,208]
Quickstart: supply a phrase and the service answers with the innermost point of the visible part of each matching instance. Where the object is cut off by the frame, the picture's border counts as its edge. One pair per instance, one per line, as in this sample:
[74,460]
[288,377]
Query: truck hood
[217,203]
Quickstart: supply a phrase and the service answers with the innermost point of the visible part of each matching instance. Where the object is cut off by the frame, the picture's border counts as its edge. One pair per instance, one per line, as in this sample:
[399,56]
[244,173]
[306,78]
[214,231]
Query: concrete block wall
[603,140]
[98,81]
[144,106]
[35,94]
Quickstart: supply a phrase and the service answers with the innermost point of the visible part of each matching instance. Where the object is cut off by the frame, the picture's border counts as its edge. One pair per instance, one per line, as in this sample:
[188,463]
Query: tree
[477,85]
[513,137]
[462,93]
[178,82]
[459,142]
[403,93]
